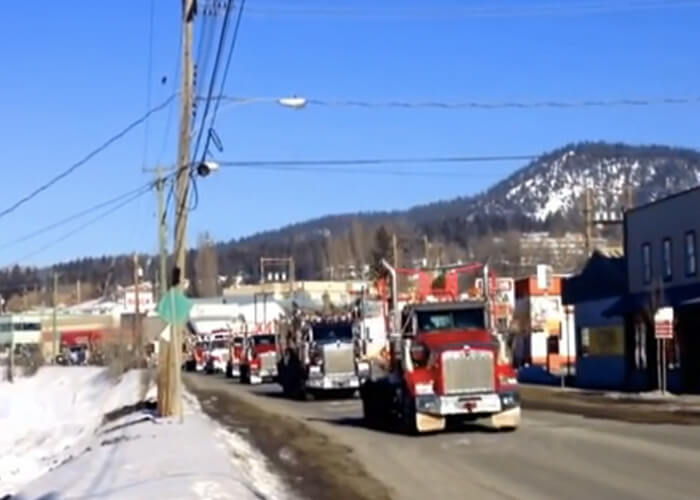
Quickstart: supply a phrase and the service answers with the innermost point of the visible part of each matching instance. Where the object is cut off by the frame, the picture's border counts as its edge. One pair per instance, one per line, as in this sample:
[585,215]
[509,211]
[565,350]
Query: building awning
[691,302]
[627,304]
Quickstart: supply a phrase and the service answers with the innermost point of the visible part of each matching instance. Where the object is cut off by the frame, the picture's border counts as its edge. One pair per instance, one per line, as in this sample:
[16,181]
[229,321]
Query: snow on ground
[44,417]
[58,449]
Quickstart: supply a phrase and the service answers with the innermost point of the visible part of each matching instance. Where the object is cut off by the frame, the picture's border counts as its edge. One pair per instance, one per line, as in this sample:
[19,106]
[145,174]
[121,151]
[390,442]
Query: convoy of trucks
[417,359]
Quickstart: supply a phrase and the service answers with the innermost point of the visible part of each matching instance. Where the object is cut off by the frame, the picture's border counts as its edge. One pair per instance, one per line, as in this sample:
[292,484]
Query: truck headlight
[424,388]
[314,371]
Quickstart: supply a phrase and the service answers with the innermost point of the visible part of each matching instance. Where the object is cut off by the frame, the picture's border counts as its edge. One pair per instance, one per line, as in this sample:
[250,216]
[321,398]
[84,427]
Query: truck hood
[442,340]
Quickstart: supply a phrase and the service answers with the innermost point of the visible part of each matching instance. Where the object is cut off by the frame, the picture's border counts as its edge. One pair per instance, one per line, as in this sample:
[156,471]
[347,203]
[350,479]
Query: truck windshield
[219,344]
[264,340]
[459,319]
[331,333]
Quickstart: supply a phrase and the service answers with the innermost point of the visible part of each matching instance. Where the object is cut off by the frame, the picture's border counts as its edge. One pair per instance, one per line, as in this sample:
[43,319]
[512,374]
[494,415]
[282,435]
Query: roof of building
[602,277]
[662,200]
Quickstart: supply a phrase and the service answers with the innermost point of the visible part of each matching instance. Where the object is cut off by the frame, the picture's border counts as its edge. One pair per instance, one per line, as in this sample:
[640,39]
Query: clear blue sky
[75,73]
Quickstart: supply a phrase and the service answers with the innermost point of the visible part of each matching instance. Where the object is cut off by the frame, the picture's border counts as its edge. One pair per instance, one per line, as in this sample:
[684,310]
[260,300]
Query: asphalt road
[551,456]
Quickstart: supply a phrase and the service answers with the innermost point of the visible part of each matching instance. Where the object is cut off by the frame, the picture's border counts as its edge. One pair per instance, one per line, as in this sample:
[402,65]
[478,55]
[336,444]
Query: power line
[368,171]
[567,8]
[377,161]
[149,76]
[141,189]
[226,70]
[478,105]
[82,227]
[87,158]
[169,118]
[212,80]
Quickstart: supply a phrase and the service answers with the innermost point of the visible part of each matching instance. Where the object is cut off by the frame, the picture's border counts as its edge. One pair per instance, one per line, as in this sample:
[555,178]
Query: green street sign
[174,307]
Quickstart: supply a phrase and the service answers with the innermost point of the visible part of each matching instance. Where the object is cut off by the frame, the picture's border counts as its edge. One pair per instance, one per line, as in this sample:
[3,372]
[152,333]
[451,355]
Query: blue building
[602,360]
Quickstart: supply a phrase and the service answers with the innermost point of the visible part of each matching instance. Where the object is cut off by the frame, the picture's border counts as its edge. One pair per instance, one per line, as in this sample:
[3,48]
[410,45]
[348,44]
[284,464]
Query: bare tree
[206,268]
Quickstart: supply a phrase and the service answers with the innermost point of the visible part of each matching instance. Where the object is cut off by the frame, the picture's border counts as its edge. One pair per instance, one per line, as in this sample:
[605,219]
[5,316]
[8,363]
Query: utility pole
[56,339]
[588,217]
[78,298]
[137,338]
[395,251]
[172,401]
[162,234]
[426,244]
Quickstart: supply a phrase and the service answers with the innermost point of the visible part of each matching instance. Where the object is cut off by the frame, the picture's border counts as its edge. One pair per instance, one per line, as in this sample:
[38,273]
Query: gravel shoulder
[313,465]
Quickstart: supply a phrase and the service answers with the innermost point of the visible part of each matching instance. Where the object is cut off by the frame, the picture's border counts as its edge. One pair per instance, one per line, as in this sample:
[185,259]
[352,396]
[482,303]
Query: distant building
[661,246]
[600,339]
[544,334]
[561,252]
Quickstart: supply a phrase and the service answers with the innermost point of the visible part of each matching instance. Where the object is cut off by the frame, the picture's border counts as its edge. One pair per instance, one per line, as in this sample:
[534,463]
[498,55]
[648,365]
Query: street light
[292,102]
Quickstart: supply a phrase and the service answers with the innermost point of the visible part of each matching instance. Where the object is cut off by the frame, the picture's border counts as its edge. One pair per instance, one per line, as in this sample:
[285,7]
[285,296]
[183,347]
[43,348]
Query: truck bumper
[333,382]
[467,404]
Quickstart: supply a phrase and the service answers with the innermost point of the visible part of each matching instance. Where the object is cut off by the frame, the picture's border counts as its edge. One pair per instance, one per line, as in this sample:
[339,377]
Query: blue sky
[76,72]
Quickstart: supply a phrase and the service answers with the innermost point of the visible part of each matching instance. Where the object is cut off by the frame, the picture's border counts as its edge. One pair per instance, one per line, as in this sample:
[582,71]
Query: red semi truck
[446,364]
[258,358]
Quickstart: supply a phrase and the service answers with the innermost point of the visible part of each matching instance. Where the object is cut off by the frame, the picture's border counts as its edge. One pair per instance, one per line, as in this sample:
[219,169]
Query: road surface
[551,456]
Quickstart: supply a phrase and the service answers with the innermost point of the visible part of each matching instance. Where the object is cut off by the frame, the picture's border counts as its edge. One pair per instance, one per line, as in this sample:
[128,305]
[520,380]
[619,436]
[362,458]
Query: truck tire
[245,375]
[407,414]
[370,411]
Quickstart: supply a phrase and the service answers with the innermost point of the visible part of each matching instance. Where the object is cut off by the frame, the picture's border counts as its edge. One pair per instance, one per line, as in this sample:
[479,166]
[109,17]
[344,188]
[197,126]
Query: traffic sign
[663,323]
[174,307]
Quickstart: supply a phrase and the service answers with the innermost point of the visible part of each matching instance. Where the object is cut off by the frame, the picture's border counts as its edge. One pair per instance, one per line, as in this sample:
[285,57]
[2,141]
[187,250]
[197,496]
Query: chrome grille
[268,361]
[338,359]
[467,371]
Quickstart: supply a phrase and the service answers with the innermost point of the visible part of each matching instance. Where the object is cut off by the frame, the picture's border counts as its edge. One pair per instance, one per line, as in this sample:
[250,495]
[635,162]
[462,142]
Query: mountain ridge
[544,195]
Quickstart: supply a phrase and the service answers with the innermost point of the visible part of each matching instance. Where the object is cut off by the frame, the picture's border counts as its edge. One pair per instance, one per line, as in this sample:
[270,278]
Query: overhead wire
[66,220]
[227,67]
[149,83]
[376,161]
[83,226]
[451,12]
[212,80]
[477,105]
[72,168]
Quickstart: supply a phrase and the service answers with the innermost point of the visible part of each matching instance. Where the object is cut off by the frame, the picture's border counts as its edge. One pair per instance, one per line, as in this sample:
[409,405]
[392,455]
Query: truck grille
[338,359]
[268,361]
[467,371]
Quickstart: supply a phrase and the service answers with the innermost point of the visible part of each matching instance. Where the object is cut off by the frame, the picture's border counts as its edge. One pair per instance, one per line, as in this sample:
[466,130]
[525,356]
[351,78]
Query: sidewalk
[651,407]
[133,454]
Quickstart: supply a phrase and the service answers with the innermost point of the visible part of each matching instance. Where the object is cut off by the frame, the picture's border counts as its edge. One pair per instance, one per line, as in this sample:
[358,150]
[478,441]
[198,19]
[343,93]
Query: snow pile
[47,418]
[244,457]
[138,456]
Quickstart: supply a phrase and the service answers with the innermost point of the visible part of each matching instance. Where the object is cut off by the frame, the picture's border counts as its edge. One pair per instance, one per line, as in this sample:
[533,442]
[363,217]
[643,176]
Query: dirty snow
[55,446]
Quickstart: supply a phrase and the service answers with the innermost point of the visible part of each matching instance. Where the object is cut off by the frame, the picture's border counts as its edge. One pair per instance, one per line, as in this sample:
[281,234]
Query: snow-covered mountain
[555,183]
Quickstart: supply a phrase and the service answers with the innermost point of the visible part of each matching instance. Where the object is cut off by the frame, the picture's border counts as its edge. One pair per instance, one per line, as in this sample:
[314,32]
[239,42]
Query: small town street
[551,456]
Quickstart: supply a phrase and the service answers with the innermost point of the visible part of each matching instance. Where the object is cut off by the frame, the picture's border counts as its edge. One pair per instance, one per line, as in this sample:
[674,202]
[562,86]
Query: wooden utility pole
[137,337]
[588,218]
[162,234]
[426,245]
[172,401]
[78,294]
[54,301]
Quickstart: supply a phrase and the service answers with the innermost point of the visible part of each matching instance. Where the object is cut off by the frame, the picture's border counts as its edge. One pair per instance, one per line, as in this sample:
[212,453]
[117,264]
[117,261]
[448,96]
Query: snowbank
[138,456]
[47,417]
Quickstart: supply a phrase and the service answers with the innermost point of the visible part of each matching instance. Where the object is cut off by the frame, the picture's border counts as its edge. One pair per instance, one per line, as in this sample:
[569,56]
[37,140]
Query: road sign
[174,307]
[663,323]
